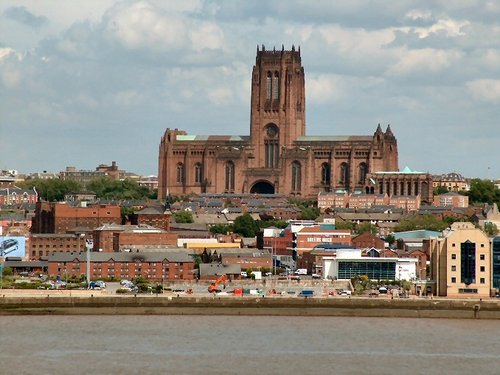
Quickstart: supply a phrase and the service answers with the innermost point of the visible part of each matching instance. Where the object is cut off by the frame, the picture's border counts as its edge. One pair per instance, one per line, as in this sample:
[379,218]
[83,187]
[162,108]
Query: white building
[349,263]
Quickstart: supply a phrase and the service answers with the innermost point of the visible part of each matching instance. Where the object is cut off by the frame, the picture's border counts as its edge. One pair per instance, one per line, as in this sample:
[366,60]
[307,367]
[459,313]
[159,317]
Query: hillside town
[353,242]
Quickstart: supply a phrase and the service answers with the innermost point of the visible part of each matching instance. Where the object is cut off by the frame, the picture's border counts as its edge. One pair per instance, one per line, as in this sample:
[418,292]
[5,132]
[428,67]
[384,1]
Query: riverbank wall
[214,305]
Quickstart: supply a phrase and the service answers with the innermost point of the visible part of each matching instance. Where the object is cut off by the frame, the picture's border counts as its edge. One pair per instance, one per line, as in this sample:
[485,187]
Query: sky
[89,82]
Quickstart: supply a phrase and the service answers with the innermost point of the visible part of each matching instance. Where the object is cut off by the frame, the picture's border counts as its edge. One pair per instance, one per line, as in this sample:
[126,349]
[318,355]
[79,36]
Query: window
[452,245]
[482,280]
[268,85]
[230,176]
[362,171]
[276,86]
[453,268]
[180,173]
[482,269]
[467,290]
[325,173]
[344,173]
[296,177]
[481,257]
[271,146]
[197,173]
[453,256]
[468,262]
[453,280]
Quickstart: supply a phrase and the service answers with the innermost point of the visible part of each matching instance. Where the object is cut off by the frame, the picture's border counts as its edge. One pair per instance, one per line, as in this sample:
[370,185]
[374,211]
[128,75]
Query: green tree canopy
[440,190]
[183,217]
[483,191]
[52,190]
[390,239]
[246,226]
[490,229]
[350,225]
[119,190]
[221,229]
[417,222]
[366,227]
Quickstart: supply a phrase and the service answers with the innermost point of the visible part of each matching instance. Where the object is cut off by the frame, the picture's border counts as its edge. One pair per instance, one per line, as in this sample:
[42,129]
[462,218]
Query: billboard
[12,247]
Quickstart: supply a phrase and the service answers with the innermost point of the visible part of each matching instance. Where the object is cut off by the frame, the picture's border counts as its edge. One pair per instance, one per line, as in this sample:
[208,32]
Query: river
[246,345]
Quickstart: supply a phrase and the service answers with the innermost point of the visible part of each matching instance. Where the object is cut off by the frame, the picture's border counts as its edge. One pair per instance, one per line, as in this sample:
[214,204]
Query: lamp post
[88,268]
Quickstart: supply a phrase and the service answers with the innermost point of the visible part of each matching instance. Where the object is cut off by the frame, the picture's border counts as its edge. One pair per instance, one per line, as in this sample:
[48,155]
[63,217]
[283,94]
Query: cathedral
[277,157]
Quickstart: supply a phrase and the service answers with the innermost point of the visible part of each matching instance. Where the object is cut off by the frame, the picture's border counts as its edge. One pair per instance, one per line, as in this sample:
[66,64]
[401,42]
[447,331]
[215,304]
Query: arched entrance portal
[262,187]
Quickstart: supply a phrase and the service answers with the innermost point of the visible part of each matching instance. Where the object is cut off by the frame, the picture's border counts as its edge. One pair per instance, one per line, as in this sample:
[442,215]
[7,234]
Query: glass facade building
[375,270]
[495,269]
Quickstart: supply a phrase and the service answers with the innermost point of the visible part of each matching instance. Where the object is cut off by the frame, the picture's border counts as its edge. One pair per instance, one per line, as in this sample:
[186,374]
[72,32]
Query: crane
[212,288]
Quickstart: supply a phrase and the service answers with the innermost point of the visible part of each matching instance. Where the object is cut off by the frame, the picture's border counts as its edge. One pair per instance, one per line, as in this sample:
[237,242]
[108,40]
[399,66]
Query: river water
[246,345]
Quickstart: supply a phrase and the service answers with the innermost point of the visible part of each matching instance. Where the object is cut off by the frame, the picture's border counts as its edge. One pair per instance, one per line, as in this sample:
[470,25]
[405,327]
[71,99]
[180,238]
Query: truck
[306,293]
[301,271]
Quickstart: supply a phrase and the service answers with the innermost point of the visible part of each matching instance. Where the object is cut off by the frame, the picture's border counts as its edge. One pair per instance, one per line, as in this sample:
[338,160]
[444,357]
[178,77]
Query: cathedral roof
[215,138]
[334,138]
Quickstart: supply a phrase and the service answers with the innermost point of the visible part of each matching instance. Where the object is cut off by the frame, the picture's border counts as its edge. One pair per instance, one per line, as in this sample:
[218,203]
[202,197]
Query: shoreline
[102,304]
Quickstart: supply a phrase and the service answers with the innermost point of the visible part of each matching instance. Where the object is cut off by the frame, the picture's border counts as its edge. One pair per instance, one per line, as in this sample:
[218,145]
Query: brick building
[452,182]
[13,196]
[61,217]
[102,171]
[311,236]
[451,199]
[117,238]
[42,244]
[164,266]
[156,216]
[401,183]
[277,156]
[368,240]
[327,200]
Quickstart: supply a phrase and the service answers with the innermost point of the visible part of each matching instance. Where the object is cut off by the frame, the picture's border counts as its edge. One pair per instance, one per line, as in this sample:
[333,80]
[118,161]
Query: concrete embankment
[172,305]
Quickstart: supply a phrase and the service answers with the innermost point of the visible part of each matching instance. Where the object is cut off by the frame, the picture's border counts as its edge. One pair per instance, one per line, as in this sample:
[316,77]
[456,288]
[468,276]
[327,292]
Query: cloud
[427,60]
[207,36]
[22,15]
[485,89]
[141,25]
[10,71]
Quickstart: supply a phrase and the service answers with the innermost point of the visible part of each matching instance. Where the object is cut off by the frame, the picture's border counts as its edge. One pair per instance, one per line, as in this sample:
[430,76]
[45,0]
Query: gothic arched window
[296,177]
[269,85]
[180,173]
[230,176]
[325,173]
[362,171]
[198,173]
[344,173]
[271,146]
[276,86]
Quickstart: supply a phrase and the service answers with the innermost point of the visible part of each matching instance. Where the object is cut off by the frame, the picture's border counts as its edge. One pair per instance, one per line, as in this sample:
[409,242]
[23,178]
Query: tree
[440,190]
[221,229]
[119,190]
[390,239]
[350,225]
[246,226]
[490,229]
[183,217]
[483,191]
[417,222]
[309,213]
[366,227]
[52,190]
[7,271]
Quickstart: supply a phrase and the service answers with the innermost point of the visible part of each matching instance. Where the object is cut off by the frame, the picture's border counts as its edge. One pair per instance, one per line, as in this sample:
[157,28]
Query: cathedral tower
[277,105]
